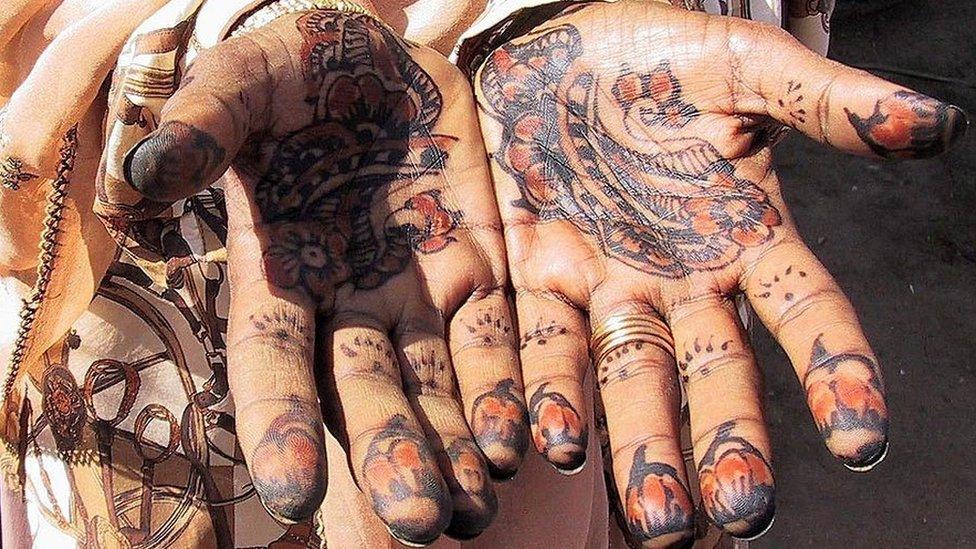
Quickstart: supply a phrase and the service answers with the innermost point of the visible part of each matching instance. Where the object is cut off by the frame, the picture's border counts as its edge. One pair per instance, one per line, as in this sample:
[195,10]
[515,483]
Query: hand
[632,162]
[363,235]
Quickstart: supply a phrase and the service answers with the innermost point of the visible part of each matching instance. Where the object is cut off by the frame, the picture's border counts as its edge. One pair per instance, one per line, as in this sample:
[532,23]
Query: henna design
[288,465]
[430,373]
[374,112]
[792,103]
[174,146]
[667,206]
[401,475]
[475,502]
[283,328]
[909,125]
[541,335]
[500,421]
[736,484]
[846,396]
[491,329]
[656,502]
[699,358]
[789,274]
[615,367]
[560,434]
[655,95]
[370,354]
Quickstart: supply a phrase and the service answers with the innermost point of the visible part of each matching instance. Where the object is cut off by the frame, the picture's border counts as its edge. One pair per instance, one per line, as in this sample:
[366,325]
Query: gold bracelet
[280,8]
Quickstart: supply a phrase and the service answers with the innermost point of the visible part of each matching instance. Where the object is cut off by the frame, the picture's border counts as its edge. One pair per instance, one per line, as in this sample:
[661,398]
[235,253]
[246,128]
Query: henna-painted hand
[363,233]
[631,154]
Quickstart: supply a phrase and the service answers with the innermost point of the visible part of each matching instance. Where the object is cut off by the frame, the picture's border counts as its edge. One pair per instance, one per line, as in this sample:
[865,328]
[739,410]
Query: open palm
[363,237]
[634,175]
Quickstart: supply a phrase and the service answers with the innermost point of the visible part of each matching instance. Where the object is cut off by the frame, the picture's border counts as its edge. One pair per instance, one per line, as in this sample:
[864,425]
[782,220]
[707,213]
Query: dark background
[901,240]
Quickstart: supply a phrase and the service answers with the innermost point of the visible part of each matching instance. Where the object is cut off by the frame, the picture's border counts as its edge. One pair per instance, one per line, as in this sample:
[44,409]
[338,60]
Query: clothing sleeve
[807,20]
[161,238]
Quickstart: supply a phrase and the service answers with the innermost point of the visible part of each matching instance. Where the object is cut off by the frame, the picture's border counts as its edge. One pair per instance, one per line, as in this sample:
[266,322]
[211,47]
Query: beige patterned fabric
[138,383]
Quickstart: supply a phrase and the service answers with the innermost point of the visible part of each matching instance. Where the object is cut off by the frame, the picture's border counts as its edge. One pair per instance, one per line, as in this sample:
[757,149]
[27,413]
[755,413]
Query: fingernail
[762,530]
[868,457]
[170,162]
[502,474]
[409,538]
[459,533]
[957,125]
[277,516]
[570,471]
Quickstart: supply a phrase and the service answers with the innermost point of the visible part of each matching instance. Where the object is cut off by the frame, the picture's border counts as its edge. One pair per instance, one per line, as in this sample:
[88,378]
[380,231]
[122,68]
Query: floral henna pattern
[736,484]
[475,502]
[560,434]
[846,396]
[653,98]
[909,125]
[429,225]
[401,476]
[667,206]
[288,465]
[372,126]
[499,422]
[656,502]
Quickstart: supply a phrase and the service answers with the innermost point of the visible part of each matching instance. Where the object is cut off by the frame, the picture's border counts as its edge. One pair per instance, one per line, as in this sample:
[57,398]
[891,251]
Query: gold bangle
[279,8]
[618,331]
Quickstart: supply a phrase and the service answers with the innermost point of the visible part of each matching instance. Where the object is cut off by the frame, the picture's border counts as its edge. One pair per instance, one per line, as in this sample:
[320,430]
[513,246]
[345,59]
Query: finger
[844,107]
[224,96]
[483,344]
[52,98]
[269,352]
[428,382]
[639,388]
[554,356]
[727,428]
[388,452]
[801,304]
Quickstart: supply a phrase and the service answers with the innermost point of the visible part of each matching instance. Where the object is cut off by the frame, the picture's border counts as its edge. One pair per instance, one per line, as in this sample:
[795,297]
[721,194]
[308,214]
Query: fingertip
[958,125]
[500,424]
[503,463]
[407,491]
[298,506]
[907,124]
[559,432]
[472,494]
[470,521]
[422,527]
[288,465]
[759,528]
[867,457]
[568,458]
[173,162]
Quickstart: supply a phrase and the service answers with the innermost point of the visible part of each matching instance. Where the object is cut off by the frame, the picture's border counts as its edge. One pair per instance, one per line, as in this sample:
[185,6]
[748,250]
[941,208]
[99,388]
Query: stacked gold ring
[616,331]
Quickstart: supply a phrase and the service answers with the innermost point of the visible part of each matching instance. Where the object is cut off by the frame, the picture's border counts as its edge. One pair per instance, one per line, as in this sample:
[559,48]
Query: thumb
[846,108]
[203,125]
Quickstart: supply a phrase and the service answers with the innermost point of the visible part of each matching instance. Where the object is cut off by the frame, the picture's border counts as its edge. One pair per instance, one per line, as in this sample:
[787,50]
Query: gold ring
[617,331]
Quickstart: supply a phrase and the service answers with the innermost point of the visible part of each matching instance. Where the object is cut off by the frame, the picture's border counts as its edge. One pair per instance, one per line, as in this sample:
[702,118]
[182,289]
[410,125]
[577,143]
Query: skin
[355,186]
[631,146]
